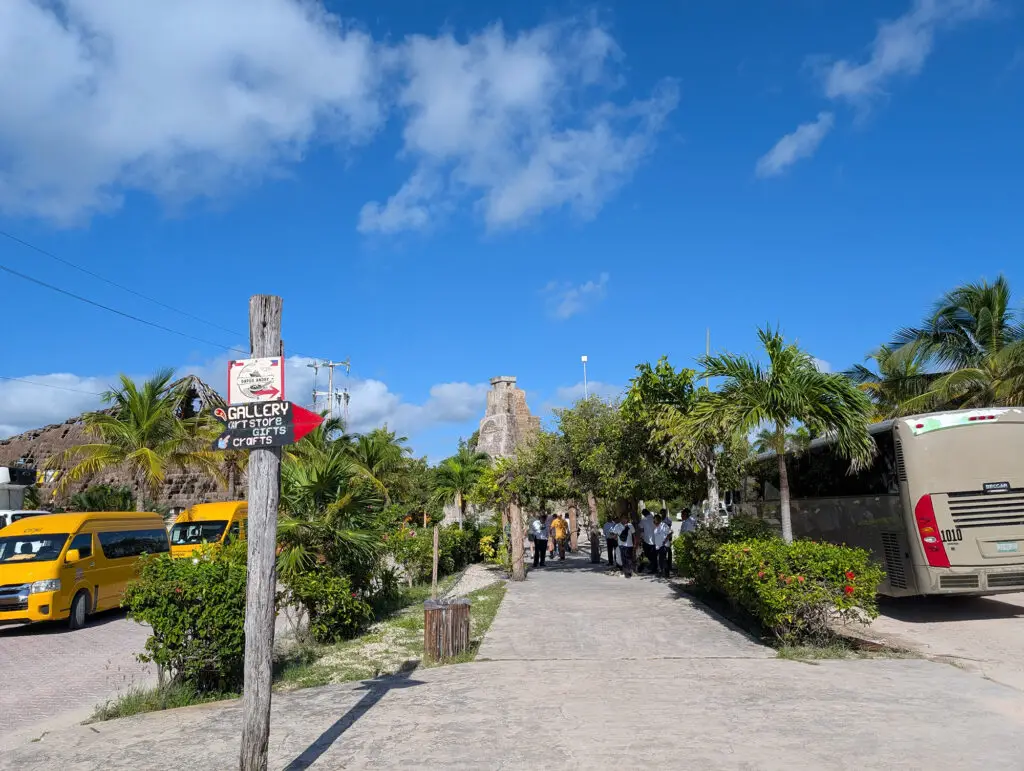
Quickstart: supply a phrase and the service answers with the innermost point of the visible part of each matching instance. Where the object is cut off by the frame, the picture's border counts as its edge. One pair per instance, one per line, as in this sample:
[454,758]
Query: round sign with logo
[255,380]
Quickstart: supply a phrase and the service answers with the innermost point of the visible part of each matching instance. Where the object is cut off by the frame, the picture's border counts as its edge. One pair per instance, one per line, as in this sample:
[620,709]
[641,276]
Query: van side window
[82,542]
[132,543]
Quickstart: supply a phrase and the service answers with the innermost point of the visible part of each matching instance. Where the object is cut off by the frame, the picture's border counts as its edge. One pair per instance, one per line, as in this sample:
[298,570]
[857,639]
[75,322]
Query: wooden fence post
[433,579]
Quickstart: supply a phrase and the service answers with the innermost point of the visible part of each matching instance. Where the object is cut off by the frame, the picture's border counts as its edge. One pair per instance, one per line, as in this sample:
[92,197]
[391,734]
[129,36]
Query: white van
[7,516]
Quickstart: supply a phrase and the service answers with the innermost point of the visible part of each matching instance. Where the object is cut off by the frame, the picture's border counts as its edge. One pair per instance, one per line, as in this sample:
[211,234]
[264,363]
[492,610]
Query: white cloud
[177,99]
[372,403]
[822,365]
[197,97]
[900,47]
[496,119]
[566,300]
[802,143]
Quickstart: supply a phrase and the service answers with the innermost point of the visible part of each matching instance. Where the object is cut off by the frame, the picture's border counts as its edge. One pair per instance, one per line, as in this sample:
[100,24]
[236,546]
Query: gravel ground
[476,577]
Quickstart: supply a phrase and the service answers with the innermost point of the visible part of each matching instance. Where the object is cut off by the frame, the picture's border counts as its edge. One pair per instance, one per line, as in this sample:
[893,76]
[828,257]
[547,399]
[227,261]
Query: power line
[50,385]
[123,314]
[112,283]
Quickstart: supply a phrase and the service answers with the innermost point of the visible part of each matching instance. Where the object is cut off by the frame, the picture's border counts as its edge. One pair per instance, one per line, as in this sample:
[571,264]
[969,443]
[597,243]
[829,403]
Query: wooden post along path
[264,490]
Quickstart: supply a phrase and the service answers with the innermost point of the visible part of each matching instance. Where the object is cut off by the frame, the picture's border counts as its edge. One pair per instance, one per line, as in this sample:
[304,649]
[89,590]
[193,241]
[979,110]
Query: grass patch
[839,649]
[383,649]
[387,647]
[139,700]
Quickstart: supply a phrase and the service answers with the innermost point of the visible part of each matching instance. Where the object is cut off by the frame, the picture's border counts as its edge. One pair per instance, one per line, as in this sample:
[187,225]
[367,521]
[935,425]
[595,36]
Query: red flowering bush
[796,591]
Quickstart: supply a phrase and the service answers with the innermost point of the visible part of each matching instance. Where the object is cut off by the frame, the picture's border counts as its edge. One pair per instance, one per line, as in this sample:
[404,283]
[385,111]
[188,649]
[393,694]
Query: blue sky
[445,192]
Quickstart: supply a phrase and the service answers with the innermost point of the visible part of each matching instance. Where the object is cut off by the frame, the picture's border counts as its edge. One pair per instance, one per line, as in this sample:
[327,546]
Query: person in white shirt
[647,534]
[539,531]
[662,539]
[689,524]
[611,538]
[624,532]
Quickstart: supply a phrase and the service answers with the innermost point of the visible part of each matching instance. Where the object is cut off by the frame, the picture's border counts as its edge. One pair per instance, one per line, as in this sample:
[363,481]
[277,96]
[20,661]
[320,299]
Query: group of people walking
[647,547]
[548,532]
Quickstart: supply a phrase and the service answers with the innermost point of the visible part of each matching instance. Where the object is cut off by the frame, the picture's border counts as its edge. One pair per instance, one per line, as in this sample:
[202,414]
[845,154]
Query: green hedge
[694,550]
[335,611]
[794,591]
[413,549]
[196,608]
[797,590]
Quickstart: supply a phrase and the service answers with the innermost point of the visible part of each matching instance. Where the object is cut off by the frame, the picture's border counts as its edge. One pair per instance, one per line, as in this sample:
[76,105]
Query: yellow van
[208,523]
[66,566]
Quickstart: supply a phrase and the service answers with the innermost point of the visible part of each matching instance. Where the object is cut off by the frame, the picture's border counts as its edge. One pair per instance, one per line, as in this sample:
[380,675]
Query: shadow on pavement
[375,691]
[61,627]
[937,609]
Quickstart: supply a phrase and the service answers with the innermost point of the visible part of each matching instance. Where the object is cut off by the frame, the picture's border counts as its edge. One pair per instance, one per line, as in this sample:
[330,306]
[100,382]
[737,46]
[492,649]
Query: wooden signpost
[259,420]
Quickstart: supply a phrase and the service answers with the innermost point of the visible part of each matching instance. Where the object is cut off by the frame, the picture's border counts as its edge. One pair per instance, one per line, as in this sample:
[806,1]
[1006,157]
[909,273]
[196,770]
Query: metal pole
[586,392]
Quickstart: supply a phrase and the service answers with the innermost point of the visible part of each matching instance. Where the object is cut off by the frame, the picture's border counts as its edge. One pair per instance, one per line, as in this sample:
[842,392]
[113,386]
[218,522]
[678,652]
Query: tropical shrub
[693,552]
[334,610]
[796,591]
[461,547]
[196,609]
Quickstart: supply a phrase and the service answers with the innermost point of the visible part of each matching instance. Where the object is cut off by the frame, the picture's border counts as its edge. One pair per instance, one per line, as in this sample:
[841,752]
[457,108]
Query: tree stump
[445,628]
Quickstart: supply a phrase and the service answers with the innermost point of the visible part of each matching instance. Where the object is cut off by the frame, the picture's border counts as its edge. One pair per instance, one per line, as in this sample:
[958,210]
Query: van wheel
[78,610]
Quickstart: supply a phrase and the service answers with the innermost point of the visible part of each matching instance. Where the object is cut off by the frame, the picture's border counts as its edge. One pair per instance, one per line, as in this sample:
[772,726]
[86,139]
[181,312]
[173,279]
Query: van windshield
[38,547]
[187,533]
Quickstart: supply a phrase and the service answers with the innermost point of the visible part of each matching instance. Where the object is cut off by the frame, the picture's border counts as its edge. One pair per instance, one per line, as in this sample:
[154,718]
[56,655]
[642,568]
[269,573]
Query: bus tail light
[928,527]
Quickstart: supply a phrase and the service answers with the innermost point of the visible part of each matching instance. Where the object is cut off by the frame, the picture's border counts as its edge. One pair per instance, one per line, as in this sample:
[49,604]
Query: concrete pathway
[582,670]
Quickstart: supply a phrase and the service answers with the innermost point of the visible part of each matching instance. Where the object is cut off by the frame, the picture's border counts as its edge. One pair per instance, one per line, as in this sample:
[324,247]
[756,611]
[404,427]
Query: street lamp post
[586,393]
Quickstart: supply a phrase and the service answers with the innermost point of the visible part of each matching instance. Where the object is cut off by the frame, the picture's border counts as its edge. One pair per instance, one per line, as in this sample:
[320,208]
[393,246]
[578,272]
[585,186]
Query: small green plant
[196,608]
[167,696]
[335,611]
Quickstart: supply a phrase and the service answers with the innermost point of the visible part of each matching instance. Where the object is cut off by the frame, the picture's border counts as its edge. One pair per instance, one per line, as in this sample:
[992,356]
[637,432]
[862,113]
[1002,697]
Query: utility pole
[707,353]
[329,393]
[586,392]
[264,492]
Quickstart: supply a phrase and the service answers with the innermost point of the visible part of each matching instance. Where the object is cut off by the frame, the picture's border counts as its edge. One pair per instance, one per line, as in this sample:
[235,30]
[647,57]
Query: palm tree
[142,433]
[796,441]
[457,476]
[899,377]
[976,341]
[329,515]
[380,457]
[789,390]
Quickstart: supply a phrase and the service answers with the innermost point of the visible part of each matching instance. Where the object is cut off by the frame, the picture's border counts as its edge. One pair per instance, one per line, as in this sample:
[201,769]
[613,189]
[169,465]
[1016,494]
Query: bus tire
[79,608]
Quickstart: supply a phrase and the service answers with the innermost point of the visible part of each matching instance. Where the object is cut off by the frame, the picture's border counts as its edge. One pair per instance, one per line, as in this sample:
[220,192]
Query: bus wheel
[78,607]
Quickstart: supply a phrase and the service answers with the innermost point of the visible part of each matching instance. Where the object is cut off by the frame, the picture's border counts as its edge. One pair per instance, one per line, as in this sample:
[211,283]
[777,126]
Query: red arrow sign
[266,392]
[304,421]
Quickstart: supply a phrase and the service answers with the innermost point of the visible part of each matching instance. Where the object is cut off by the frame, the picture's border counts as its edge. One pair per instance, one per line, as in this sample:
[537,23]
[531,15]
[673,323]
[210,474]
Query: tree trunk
[261,531]
[140,495]
[572,526]
[784,515]
[462,508]
[518,534]
[711,469]
[595,542]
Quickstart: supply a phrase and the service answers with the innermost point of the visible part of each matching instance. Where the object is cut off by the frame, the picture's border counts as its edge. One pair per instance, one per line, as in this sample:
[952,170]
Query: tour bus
[67,566]
[941,506]
[208,523]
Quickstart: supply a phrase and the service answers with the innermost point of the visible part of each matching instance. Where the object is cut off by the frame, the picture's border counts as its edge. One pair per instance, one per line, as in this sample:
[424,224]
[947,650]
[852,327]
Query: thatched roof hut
[180,489]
